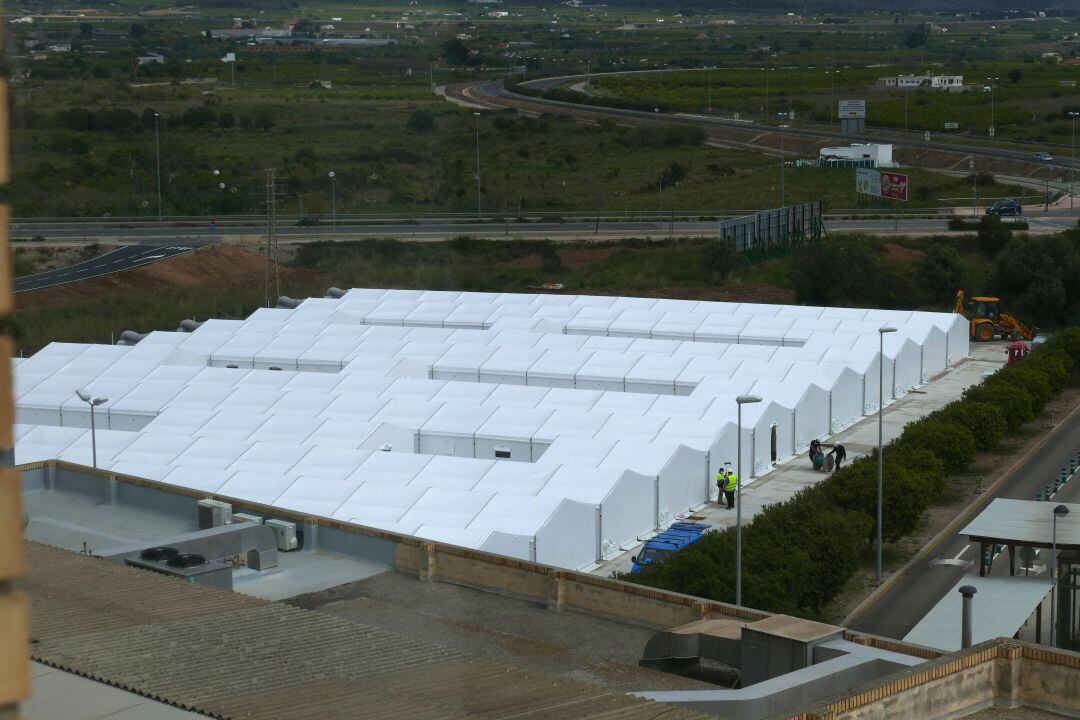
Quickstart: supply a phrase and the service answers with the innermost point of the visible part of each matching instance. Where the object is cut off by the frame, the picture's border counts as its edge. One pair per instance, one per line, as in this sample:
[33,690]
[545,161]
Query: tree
[916,37]
[455,51]
[264,117]
[941,271]
[674,173]
[950,442]
[993,235]
[421,120]
[226,120]
[720,257]
[984,421]
[1016,75]
[85,29]
[136,31]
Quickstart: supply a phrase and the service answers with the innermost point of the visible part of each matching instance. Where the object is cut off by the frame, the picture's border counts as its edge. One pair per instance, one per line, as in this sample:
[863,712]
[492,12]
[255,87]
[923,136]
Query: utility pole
[974,186]
[1072,167]
[271,238]
[477,116]
[783,196]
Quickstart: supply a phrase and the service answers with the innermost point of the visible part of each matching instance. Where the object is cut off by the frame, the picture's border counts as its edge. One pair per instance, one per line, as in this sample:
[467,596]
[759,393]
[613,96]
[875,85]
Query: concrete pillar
[311,536]
[556,593]
[114,488]
[968,592]
[427,562]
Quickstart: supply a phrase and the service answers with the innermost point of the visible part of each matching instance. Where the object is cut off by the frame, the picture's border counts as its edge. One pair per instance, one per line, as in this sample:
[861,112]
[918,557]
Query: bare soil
[899,253]
[209,266]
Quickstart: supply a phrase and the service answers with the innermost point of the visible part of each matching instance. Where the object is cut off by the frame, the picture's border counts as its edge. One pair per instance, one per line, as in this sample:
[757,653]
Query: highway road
[494,94]
[924,585]
[152,233]
[127,257]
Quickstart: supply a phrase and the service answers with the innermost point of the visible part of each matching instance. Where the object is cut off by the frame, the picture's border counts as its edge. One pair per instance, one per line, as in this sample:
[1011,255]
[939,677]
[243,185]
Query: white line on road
[961,553]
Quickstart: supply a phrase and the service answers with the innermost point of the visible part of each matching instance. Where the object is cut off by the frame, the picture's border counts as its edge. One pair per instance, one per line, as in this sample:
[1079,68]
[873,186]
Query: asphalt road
[158,235]
[494,89]
[128,257]
[924,585]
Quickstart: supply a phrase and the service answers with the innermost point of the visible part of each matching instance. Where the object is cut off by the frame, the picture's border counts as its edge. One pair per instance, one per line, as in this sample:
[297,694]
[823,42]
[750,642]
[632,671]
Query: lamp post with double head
[1059,512]
[333,200]
[157,146]
[477,116]
[880,434]
[93,402]
[739,401]
[1072,166]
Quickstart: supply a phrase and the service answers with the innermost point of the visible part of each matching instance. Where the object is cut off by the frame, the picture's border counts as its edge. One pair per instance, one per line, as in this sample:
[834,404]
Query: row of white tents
[503,422]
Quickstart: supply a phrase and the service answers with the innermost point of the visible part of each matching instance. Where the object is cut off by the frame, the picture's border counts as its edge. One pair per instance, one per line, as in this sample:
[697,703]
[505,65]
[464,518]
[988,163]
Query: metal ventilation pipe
[287,303]
[188,326]
[130,337]
[965,620]
[334,293]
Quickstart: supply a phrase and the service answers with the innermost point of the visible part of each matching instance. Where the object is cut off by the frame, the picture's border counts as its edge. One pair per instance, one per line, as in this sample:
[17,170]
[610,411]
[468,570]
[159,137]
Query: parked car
[680,535]
[1044,156]
[1006,207]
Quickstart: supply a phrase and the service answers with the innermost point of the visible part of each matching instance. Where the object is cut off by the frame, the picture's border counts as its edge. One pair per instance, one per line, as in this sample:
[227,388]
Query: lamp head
[330,174]
[886,329]
[1061,511]
[746,399]
[83,395]
[99,401]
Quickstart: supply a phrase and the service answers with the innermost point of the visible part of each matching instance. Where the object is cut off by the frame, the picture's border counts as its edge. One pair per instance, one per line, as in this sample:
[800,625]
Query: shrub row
[798,554]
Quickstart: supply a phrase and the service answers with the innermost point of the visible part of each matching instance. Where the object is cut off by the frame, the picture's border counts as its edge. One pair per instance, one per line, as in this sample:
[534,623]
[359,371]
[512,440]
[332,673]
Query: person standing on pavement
[839,454]
[731,484]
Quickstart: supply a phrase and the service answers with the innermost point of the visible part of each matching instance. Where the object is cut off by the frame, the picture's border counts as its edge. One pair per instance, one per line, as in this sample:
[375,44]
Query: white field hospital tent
[559,428]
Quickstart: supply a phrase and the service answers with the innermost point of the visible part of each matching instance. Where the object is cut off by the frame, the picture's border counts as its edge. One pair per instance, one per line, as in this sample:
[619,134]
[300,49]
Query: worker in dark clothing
[839,454]
[815,450]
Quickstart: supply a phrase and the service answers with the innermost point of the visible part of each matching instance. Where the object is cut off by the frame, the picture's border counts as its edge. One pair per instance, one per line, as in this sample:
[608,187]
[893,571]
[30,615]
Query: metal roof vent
[158,553]
[187,560]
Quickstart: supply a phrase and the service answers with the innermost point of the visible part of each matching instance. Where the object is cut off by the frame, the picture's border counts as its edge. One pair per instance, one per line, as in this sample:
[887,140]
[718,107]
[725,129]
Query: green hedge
[798,554]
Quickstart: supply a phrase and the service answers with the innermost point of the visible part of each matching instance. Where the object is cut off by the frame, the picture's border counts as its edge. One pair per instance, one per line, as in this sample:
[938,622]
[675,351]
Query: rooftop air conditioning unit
[245,517]
[214,513]
[286,534]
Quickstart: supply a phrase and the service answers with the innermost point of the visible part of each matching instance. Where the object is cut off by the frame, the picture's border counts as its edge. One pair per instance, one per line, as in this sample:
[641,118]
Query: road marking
[961,553]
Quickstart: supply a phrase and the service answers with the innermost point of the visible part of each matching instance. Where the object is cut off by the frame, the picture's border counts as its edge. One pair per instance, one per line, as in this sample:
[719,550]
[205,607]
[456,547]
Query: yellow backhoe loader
[987,321]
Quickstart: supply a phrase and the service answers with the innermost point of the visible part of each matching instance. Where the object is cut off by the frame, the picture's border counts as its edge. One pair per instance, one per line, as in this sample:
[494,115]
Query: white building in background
[552,428]
[948,83]
[878,155]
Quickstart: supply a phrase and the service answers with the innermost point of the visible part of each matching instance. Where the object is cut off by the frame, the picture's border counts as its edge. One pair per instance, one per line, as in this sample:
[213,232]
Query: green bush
[1029,379]
[984,421]
[1014,403]
[951,443]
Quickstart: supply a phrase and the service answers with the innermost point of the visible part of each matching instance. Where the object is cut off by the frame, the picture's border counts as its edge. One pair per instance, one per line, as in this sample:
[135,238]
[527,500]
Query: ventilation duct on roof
[188,326]
[130,337]
[287,303]
[334,293]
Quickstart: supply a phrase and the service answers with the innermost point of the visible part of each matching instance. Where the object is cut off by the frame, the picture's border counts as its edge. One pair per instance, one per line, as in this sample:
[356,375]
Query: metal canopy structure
[1029,523]
[1000,608]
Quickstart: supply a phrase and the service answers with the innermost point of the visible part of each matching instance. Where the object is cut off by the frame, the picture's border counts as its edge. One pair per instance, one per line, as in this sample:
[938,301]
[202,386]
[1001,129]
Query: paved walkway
[859,439]
[59,695]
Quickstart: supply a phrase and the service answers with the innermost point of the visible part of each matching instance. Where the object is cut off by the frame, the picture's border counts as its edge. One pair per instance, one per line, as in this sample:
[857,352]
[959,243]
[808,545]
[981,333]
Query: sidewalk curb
[960,520]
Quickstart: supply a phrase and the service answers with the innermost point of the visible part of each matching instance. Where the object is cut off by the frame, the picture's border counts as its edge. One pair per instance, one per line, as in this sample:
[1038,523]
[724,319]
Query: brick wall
[14,617]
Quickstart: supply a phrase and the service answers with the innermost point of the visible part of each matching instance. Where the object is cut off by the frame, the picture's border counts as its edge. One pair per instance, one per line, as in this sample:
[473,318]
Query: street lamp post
[783,195]
[92,402]
[1072,167]
[1059,512]
[739,401]
[333,200]
[880,433]
[157,145]
[974,187]
[477,116]
[993,83]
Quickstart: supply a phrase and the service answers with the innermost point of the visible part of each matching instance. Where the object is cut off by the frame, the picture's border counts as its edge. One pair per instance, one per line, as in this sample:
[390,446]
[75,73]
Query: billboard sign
[881,184]
[852,109]
[952,126]
[894,186]
[867,182]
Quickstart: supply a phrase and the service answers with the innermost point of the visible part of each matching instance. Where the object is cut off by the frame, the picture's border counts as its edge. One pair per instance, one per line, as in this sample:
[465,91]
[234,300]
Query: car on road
[1044,156]
[1006,207]
[677,537]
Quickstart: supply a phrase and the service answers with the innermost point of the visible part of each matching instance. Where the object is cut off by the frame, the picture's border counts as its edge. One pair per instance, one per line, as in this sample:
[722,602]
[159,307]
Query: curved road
[127,257]
[493,94]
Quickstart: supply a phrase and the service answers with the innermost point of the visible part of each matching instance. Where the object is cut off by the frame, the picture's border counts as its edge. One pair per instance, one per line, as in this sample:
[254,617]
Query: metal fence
[786,227]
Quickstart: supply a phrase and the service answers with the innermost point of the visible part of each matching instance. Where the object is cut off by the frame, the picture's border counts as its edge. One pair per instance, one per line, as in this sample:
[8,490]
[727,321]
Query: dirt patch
[899,253]
[209,266]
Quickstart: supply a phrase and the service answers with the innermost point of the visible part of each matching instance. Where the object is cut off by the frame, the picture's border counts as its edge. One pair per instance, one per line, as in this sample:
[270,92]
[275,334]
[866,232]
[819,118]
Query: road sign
[895,186]
[992,131]
[852,109]
[952,126]
[926,136]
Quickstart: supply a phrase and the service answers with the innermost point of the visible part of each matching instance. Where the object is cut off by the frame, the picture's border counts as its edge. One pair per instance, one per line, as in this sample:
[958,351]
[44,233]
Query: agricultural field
[92,119]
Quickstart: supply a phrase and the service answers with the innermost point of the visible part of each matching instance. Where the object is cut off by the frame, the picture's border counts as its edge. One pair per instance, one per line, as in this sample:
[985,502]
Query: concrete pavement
[860,439]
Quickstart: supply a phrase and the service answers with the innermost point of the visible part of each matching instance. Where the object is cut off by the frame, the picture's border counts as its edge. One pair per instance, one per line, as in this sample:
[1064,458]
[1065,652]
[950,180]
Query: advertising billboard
[867,182]
[894,186]
[852,109]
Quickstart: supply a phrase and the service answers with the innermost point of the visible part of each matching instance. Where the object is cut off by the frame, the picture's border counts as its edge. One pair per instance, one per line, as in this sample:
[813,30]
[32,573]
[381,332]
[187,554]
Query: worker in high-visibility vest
[727,482]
